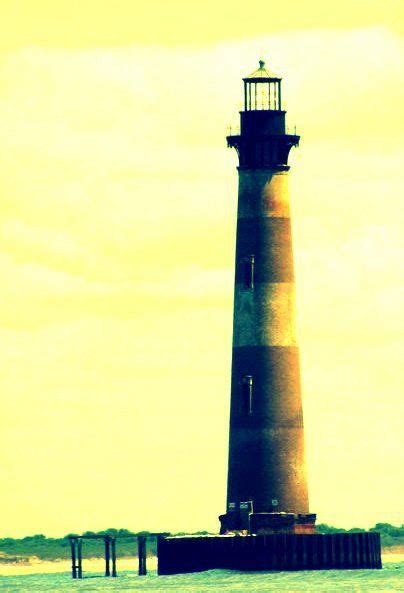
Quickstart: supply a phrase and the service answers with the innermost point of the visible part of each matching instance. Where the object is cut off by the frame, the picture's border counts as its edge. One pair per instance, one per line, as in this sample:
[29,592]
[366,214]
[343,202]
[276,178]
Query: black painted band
[270,241]
[276,392]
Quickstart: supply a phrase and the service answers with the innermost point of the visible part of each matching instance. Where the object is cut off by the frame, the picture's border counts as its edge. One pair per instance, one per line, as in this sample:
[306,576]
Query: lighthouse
[267,486]
[267,499]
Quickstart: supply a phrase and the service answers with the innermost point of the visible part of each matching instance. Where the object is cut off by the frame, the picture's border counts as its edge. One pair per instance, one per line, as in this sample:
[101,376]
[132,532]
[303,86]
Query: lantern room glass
[262,95]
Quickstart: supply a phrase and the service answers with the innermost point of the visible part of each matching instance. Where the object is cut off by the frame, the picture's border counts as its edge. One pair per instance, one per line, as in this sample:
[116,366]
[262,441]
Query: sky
[118,205]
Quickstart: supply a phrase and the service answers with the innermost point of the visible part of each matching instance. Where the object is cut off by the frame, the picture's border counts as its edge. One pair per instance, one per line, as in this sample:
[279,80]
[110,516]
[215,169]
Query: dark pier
[281,551]
[76,546]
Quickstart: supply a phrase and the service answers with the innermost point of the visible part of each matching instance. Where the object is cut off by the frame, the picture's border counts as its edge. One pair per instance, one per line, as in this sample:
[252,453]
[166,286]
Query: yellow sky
[117,226]
[91,23]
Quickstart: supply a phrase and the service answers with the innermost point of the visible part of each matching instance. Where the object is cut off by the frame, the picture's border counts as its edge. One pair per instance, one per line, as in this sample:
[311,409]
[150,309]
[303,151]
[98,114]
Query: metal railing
[235,130]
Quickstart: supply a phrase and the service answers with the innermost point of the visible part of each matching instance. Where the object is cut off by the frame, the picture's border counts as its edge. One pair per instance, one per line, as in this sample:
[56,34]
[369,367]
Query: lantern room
[263,141]
[262,90]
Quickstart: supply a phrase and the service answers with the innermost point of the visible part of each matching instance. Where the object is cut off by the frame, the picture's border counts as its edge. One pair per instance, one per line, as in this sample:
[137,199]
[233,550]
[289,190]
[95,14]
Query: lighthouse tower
[267,499]
[267,488]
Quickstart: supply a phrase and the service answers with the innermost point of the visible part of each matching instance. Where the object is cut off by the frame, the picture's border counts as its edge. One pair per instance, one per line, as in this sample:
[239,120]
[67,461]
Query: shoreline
[35,565]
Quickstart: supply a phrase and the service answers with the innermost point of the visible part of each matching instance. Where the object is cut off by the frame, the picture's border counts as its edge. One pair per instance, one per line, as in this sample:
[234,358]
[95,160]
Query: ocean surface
[390,578]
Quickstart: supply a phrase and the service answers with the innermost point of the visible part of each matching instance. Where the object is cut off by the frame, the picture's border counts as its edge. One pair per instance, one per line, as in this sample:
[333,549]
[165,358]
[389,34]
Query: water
[389,579]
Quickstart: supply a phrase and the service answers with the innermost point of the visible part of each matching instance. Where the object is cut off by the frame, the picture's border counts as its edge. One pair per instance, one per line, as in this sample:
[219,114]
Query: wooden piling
[113,556]
[362,550]
[376,550]
[356,543]
[73,552]
[107,556]
[79,559]
[340,550]
[376,539]
[325,551]
[284,550]
[142,551]
[314,551]
[367,551]
[305,554]
[158,543]
[372,551]
[293,554]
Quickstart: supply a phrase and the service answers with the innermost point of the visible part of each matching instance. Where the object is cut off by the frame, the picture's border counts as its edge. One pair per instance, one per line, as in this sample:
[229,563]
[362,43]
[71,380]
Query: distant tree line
[48,548]
[391,535]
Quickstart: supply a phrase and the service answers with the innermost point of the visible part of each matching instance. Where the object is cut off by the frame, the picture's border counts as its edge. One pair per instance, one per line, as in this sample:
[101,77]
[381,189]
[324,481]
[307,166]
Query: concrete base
[270,552]
[267,523]
[242,522]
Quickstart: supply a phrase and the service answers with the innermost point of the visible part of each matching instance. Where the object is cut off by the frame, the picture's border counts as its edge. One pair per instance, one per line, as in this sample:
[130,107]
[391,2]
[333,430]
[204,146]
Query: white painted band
[263,193]
[264,315]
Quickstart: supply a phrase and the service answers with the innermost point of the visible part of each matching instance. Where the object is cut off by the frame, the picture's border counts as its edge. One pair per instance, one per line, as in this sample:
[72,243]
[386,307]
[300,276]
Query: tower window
[247,393]
[248,271]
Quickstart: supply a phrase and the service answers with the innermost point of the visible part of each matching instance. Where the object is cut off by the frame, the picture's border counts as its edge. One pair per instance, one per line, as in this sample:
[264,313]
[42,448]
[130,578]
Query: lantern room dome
[262,90]
[262,74]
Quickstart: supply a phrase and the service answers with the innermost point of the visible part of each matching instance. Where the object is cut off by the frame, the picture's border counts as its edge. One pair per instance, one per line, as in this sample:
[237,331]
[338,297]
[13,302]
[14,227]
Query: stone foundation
[241,521]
